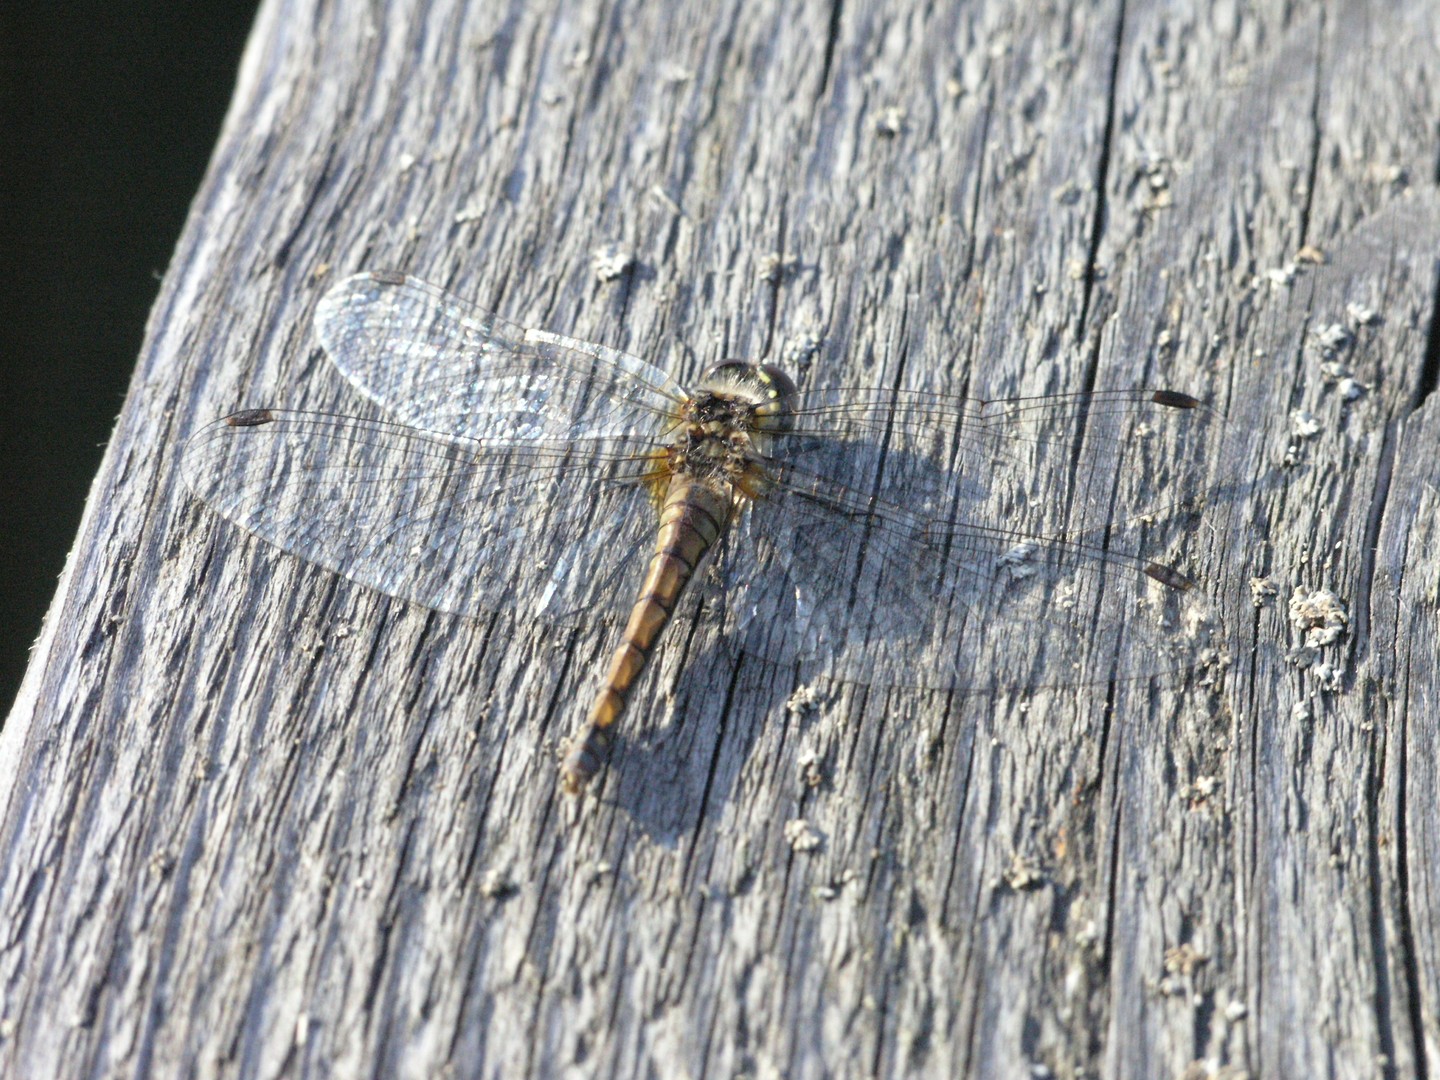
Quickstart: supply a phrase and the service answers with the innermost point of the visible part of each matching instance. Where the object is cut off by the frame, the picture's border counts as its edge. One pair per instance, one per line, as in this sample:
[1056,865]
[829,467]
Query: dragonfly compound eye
[769,389]
[779,386]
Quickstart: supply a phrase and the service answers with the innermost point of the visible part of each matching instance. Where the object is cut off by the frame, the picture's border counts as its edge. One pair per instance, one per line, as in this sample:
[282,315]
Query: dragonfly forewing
[434,362]
[1043,465]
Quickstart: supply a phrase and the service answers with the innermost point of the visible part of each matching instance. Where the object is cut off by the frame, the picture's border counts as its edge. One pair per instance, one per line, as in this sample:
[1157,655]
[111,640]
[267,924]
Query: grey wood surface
[261,821]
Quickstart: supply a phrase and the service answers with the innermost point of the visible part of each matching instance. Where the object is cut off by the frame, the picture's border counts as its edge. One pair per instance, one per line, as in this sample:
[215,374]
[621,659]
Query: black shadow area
[108,114]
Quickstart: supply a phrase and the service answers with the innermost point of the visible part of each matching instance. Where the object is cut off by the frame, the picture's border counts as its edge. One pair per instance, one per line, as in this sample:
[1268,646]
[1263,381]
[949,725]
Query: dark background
[108,114]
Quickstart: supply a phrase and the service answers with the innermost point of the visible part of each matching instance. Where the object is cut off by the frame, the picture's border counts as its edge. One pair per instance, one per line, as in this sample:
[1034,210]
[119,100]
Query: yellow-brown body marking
[708,475]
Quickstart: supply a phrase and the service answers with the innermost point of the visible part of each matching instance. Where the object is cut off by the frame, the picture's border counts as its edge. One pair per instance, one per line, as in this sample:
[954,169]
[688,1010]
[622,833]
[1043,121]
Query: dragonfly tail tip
[586,757]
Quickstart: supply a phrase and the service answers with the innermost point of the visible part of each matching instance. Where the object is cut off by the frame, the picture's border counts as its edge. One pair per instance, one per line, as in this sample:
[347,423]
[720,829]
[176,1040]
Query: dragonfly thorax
[721,438]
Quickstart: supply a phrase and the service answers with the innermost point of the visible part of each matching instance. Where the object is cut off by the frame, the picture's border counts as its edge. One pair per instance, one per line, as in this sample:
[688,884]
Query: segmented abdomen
[691,520]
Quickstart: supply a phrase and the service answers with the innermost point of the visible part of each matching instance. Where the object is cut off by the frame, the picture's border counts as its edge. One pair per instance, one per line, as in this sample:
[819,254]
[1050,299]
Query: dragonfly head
[769,390]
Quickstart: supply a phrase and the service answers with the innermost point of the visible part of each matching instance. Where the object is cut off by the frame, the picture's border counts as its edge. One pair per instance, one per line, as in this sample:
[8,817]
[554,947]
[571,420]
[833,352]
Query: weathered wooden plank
[1299,894]
[261,820]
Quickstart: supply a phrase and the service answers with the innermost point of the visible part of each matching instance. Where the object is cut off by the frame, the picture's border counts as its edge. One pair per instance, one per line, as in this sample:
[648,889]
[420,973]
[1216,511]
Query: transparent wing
[508,477]
[918,543]
[435,362]
[557,529]
[1037,464]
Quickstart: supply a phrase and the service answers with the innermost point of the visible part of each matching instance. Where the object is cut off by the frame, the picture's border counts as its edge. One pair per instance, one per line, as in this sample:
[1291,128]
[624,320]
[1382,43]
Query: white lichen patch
[811,764]
[1338,374]
[1184,959]
[1196,621]
[804,702]
[1212,1069]
[890,121]
[610,261]
[1360,315]
[1017,560]
[1280,277]
[775,268]
[1329,676]
[1387,175]
[1199,792]
[800,349]
[802,836]
[1303,425]
[1262,590]
[1023,873]
[1333,337]
[1319,616]
[496,884]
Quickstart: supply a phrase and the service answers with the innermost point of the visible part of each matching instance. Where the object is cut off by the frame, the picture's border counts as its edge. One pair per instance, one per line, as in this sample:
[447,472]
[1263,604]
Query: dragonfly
[890,537]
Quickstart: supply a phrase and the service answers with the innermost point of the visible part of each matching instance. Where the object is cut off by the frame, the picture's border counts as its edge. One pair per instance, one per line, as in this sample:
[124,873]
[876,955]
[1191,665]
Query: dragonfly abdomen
[691,519]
